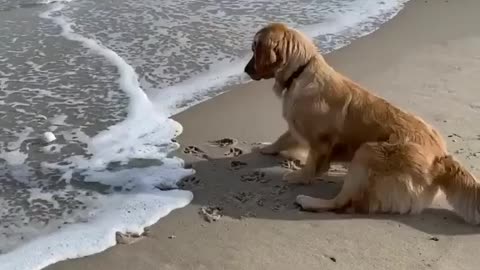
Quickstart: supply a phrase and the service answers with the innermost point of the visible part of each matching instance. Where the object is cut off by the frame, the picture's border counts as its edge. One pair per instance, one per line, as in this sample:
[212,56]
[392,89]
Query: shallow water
[104,76]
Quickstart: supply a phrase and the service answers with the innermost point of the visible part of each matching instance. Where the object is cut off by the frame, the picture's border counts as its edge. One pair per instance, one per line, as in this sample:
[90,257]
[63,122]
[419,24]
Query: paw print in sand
[256,176]
[195,151]
[291,164]
[234,152]
[224,142]
[189,181]
[237,165]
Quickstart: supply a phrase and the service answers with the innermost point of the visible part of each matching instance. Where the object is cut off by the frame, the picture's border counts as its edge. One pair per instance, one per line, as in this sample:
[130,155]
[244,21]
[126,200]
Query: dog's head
[266,57]
[273,47]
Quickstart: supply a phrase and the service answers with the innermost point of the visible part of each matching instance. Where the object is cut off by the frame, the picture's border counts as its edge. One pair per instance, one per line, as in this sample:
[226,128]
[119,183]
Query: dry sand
[426,60]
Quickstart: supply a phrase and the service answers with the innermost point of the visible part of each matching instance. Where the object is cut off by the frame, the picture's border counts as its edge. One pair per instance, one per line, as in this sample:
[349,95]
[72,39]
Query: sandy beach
[426,60]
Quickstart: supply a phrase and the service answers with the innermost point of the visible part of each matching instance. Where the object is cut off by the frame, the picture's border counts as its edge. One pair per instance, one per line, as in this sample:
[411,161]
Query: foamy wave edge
[128,212]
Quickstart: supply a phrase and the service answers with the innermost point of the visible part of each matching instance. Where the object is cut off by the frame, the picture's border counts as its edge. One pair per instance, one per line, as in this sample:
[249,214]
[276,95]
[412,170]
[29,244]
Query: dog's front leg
[326,146]
[284,142]
[318,162]
[307,173]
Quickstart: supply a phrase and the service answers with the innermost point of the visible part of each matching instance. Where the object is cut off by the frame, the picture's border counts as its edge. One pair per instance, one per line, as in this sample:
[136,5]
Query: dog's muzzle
[250,70]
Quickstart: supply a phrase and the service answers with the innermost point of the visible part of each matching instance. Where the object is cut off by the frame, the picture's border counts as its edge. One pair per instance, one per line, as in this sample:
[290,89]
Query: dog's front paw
[306,202]
[269,150]
[297,177]
[314,204]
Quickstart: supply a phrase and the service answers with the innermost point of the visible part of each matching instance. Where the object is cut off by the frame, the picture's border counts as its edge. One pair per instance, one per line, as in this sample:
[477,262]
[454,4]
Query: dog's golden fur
[397,161]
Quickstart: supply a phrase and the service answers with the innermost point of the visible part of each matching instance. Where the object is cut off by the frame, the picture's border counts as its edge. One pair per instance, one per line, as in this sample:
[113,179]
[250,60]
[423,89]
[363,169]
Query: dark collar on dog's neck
[295,75]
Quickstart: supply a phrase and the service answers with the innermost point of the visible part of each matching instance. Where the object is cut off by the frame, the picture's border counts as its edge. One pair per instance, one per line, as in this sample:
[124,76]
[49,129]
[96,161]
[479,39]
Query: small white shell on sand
[48,137]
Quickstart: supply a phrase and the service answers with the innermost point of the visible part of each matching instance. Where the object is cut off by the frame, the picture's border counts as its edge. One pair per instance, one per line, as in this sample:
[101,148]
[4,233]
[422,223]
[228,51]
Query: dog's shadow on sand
[250,186]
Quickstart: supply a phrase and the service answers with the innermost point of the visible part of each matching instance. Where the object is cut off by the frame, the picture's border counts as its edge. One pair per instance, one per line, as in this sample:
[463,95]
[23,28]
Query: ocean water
[104,77]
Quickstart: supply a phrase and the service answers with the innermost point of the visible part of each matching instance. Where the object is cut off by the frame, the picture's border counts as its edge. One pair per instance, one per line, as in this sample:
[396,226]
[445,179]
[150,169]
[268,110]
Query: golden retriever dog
[398,162]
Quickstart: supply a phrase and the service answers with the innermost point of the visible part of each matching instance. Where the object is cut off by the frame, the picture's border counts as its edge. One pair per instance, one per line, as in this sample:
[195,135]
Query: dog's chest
[295,111]
[290,100]
[306,111]
[300,103]
[286,108]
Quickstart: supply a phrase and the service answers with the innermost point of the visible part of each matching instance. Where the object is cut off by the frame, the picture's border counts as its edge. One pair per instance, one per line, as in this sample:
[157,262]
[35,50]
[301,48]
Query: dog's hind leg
[383,177]
[354,184]
[354,191]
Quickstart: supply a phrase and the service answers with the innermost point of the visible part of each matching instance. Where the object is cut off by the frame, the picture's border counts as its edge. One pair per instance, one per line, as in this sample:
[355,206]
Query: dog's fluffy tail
[460,187]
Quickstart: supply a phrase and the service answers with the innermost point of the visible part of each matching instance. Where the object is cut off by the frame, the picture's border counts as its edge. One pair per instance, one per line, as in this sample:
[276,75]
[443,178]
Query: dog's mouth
[255,77]
[252,71]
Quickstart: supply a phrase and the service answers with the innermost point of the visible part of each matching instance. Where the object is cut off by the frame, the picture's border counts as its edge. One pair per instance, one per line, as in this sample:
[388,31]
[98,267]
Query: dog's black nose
[250,67]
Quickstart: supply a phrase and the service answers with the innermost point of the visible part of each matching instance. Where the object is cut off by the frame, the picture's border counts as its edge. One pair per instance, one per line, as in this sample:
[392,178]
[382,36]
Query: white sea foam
[15,157]
[145,134]
[12,154]
[118,213]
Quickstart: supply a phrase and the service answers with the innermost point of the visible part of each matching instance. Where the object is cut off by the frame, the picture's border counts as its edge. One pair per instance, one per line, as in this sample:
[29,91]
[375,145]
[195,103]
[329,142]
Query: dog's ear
[284,48]
[265,55]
